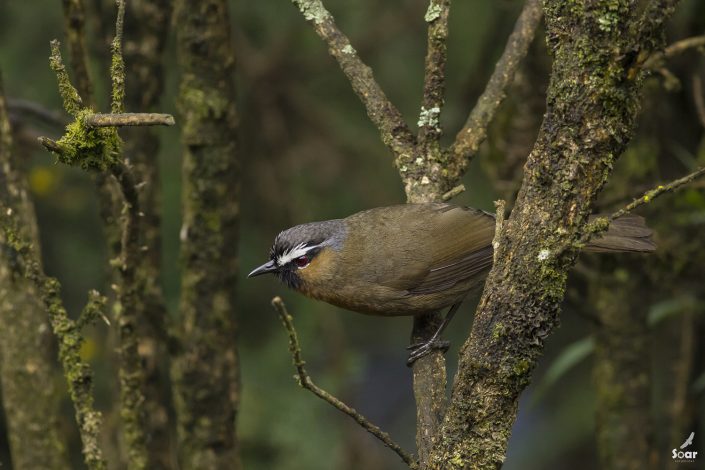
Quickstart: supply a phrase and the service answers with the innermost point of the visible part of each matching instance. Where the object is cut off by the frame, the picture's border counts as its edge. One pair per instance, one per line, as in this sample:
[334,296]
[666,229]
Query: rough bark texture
[592,102]
[622,374]
[205,372]
[146,30]
[29,391]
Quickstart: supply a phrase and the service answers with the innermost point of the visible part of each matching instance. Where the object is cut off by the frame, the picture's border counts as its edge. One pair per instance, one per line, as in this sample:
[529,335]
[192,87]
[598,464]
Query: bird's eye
[302,261]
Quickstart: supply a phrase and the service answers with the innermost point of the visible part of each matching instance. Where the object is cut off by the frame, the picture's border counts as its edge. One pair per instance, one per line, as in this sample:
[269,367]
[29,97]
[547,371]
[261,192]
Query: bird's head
[301,248]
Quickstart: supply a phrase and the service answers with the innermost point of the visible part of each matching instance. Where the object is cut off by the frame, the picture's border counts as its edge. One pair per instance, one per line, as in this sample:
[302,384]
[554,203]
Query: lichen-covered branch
[129,119]
[389,121]
[592,104]
[99,149]
[434,76]
[117,64]
[29,392]
[474,132]
[78,374]
[306,382]
[205,371]
[129,296]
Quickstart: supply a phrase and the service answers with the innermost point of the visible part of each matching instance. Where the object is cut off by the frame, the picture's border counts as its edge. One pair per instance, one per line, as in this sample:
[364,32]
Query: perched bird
[406,259]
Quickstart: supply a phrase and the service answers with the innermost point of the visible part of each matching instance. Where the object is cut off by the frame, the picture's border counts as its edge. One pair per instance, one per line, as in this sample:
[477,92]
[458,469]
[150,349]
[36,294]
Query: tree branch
[77,373]
[434,79]
[74,28]
[657,59]
[129,119]
[100,149]
[30,393]
[474,132]
[305,381]
[385,116]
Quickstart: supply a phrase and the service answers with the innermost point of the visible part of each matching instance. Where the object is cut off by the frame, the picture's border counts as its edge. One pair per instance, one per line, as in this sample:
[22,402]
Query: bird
[688,441]
[407,259]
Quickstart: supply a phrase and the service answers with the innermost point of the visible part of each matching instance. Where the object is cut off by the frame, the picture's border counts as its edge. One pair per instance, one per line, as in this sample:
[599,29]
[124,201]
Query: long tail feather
[626,234]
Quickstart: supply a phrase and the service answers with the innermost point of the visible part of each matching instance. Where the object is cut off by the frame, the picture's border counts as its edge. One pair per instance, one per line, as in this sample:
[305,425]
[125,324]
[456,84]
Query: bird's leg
[419,350]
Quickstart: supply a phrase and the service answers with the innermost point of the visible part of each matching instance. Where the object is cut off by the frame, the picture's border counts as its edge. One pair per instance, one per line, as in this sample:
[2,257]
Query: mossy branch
[305,381]
[99,149]
[385,116]
[68,333]
[72,100]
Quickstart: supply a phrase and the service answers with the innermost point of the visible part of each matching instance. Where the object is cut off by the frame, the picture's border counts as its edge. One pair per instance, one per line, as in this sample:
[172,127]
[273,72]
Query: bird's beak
[268,267]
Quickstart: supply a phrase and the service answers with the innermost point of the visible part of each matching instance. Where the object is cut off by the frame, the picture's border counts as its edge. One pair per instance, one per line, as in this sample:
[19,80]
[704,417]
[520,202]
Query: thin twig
[656,59]
[129,119]
[453,192]
[305,381]
[434,79]
[601,224]
[36,110]
[474,132]
[50,144]
[385,116]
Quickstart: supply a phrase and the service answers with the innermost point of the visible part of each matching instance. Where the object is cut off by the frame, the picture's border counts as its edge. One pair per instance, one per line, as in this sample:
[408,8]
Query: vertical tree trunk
[30,395]
[592,102]
[205,372]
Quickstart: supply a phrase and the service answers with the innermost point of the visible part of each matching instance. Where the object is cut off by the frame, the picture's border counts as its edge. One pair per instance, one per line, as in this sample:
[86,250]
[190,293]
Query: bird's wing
[442,245]
[444,277]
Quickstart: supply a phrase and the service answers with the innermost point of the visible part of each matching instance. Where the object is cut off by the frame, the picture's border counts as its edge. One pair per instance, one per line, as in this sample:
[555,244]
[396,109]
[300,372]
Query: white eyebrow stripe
[290,255]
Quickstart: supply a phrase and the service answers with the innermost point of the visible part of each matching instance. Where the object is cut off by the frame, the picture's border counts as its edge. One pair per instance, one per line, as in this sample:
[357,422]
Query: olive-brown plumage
[406,259]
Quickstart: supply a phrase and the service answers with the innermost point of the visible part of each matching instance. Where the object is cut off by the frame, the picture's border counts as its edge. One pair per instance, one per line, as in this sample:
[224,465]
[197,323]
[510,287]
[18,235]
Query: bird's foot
[419,350]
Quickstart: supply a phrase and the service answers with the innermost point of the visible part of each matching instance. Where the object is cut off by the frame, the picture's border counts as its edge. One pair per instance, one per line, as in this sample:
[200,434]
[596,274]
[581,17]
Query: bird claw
[419,350]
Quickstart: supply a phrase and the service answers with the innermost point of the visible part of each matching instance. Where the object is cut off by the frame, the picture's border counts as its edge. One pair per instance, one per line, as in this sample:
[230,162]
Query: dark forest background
[309,153]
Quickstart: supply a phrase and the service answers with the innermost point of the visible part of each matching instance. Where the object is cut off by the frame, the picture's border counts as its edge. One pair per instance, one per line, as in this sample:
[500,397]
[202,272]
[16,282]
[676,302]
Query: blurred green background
[310,153]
